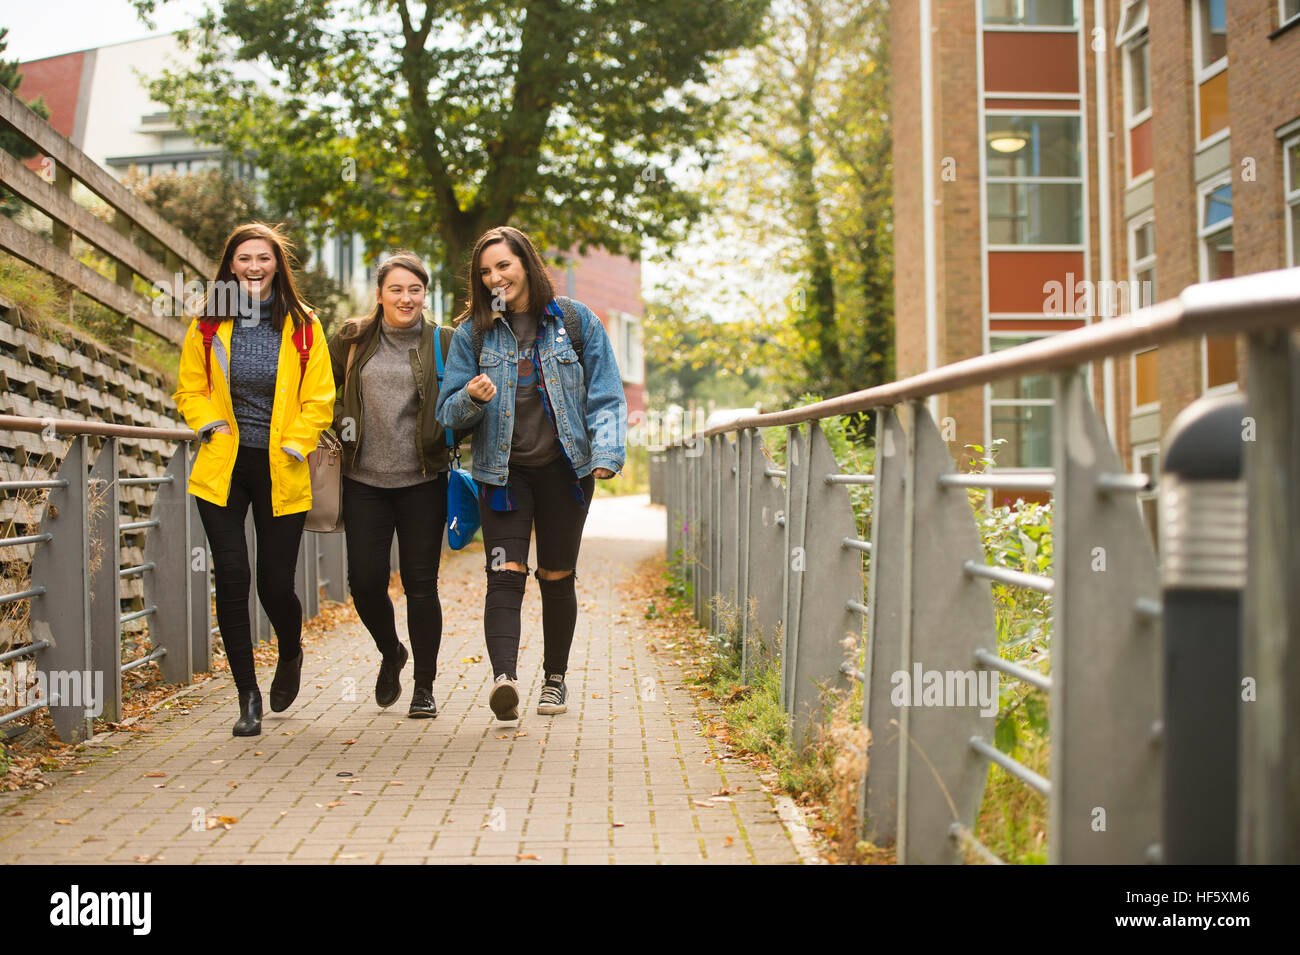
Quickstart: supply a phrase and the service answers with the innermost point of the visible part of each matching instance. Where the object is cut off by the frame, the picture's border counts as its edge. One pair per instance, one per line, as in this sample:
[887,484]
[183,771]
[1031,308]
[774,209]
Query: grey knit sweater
[390,404]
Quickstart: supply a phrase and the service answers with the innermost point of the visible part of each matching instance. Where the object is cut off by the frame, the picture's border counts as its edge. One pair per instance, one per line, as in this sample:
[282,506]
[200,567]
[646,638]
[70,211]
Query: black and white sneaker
[552,699]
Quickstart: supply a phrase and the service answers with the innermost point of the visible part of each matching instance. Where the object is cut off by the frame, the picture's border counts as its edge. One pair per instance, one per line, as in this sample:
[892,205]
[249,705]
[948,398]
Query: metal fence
[780,548]
[76,619]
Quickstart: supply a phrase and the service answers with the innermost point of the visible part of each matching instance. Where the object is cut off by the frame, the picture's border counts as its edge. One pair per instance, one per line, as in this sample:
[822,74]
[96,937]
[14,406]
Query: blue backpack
[462,492]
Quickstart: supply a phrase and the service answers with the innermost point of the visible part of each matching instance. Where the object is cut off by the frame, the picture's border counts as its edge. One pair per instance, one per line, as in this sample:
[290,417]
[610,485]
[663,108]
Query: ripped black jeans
[545,502]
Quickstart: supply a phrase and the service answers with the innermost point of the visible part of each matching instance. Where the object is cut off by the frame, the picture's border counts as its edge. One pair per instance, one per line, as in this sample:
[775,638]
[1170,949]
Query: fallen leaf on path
[704,805]
[93,839]
[63,822]
[730,841]
[528,855]
[225,822]
[154,775]
[473,659]
[618,825]
[348,742]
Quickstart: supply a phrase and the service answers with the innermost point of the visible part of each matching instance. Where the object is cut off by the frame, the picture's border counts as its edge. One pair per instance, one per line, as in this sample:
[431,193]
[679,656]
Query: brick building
[1084,156]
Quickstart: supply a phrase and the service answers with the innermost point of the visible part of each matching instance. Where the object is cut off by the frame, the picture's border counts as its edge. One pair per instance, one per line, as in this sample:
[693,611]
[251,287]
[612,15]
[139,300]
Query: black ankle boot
[250,714]
[284,685]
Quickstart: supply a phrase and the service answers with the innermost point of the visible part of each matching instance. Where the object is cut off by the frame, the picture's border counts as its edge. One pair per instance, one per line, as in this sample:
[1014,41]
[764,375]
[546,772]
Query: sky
[41,28]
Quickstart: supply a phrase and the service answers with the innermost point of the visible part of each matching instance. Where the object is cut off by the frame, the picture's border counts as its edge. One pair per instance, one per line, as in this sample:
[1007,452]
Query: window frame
[1203,234]
[1283,20]
[1291,194]
[1203,73]
[1080,180]
[991,402]
[1136,266]
[1030,28]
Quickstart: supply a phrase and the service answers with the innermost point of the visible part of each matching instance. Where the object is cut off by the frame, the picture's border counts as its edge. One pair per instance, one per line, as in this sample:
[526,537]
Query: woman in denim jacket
[548,418]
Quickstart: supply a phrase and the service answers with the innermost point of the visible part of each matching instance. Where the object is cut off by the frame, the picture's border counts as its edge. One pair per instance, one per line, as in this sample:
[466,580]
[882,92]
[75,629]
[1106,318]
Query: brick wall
[1173,85]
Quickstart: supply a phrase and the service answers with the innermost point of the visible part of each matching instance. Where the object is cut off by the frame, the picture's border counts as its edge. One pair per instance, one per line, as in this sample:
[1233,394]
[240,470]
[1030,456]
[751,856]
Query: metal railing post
[885,607]
[105,596]
[61,614]
[335,566]
[167,585]
[199,560]
[1105,701]
[1270,775]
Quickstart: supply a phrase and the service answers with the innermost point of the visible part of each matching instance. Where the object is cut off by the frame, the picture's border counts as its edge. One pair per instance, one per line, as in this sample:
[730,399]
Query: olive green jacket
[349,406]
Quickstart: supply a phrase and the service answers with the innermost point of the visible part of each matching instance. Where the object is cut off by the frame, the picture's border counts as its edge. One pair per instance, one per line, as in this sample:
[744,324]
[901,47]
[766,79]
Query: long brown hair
[478,305]
[355,329]
[287,301]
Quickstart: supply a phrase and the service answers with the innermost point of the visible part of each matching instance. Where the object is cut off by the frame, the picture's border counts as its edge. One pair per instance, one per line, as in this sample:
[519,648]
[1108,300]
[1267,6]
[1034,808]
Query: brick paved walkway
[623,777]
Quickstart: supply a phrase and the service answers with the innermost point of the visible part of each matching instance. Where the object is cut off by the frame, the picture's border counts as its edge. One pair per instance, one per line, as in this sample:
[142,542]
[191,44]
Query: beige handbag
[326,465]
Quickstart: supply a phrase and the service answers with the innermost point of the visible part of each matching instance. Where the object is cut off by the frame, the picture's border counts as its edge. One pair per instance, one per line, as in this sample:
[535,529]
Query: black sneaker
[552,699]
[387,687]
[422,704]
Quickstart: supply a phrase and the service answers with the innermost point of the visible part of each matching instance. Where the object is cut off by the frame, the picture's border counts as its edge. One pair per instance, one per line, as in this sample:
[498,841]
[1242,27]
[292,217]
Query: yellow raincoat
[298,416]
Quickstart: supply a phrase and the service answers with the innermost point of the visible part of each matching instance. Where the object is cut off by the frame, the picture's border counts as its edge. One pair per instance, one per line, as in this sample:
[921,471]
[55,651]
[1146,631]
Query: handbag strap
[437,358]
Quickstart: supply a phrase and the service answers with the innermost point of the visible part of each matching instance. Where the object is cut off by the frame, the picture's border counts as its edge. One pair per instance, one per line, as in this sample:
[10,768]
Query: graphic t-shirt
[534,442]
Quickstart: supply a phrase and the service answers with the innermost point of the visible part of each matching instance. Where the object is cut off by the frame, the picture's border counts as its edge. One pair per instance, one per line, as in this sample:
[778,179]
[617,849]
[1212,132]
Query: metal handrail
[101,428]
[1247,303]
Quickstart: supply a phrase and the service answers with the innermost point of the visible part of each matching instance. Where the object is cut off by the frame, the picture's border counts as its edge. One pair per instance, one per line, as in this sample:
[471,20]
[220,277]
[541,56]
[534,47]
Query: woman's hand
[603,474]
[481,388]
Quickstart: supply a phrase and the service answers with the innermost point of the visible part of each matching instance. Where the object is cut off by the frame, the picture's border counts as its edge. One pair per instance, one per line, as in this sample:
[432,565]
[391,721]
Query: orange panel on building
[1139,149]
[1146,382]
[994,103]
[1031,62]
[1213,95]
[1020,281]
[1035,324]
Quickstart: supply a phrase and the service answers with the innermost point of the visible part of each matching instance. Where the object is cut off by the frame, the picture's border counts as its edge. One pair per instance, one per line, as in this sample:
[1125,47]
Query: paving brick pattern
[623,777]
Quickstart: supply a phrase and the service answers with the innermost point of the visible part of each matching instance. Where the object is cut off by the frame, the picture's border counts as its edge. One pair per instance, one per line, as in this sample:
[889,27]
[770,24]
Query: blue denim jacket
[590,409]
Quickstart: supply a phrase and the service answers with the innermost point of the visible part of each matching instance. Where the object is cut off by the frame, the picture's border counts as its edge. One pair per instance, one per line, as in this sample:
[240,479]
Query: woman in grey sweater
[394,471]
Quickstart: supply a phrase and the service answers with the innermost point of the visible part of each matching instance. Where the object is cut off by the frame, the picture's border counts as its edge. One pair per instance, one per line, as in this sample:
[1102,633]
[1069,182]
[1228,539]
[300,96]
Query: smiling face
[253,263]
[504,277]
[401,293]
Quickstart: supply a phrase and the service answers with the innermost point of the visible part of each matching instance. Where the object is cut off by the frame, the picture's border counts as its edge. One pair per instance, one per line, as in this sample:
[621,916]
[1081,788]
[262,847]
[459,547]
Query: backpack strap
[572,323]
[572,328]
[439,357]
[302,338]
[208,328]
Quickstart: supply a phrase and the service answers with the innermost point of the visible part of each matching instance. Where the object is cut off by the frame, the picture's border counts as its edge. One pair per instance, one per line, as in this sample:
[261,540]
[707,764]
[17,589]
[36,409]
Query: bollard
[1203,569]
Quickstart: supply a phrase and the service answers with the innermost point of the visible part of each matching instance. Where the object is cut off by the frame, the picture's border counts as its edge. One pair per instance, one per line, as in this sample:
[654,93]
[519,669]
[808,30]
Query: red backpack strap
[302,338]
[208,328]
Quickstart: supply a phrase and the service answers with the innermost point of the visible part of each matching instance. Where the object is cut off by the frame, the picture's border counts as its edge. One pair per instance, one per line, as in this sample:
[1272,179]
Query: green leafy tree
[421,124]
[821,113]
[11,142]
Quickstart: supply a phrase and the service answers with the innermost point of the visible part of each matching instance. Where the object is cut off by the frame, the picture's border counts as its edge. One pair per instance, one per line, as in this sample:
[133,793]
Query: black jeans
[277,539]
[418,514]
[546,503]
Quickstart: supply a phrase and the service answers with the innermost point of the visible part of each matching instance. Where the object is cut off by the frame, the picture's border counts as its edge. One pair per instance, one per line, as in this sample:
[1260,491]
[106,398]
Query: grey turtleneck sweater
[390,404]
[254,361]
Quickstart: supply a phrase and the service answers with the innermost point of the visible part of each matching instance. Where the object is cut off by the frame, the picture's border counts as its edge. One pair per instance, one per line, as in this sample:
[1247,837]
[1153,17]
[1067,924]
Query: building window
[1291,157]
[1288,10]
[1146,460]
[1142,293]
[1210,50]
[1020,413]
[1030,13]
[1218,352]
[1133,39]
[1034,168]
